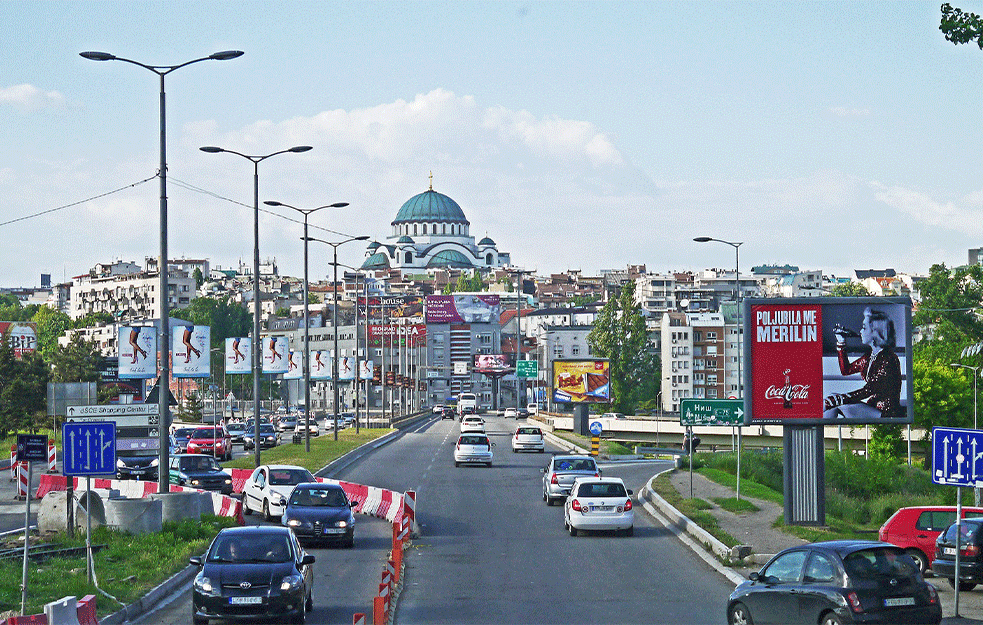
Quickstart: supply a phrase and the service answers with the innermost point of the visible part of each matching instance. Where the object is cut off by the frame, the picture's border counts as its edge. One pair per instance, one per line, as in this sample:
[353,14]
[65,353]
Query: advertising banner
[412,335]
[137,350]
[365,370]
[23,336]
[346,368]
[828,360]
[492,364]
[581,381]
[275,350]
[463,309]
[321,364]
[189,346]
[295,366]
[237,355]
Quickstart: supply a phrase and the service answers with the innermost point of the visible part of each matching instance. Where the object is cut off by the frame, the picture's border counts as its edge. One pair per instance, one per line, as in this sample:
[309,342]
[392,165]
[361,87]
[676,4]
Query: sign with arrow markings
[90,448]
[957,457]
[711,412]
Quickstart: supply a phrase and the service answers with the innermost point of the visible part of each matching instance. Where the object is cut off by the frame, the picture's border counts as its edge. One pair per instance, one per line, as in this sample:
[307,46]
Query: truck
[467,403]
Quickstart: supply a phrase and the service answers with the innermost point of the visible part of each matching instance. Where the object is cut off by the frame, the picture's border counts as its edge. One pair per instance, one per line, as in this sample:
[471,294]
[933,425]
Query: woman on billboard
[880,368]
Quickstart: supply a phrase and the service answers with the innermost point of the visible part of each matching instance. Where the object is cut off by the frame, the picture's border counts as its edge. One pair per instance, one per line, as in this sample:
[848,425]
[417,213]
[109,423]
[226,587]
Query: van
[915,529]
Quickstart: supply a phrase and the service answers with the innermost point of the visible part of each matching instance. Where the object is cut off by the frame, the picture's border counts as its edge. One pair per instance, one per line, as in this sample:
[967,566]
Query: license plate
[600,508]
[333,530]
[137,472]
[899,601]
[949,551]
[245,600]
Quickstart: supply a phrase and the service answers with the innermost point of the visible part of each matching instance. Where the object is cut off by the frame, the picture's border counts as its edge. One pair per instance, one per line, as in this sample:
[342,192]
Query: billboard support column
[580,421]
[804,476]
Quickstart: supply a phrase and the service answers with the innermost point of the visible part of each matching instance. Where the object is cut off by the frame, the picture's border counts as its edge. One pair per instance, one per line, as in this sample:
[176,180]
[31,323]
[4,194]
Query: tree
[51,325]
[79,361]
[950,303]
[960,27]
[23,389]
[199,278]
[193,407]
[226,319]
[943,396]
[849,289]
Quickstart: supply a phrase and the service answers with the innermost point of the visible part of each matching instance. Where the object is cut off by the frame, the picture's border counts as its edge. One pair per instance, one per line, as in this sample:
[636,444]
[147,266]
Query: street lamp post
[257,363]
[976,372]
[307,331]
[334,315]
[518,273]
[163,479]
[740,356]
[358,369]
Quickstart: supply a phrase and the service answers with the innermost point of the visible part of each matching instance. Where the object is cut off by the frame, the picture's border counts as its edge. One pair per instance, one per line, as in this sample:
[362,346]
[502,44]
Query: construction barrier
[13,462]
[22,486]
[358,619]
[52,458]
[85,614]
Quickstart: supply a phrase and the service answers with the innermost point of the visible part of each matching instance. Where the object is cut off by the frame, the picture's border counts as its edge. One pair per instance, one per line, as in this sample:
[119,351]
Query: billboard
[365,370]
[189,346]
[23,336]
[237,355]
[346,368]
[295,365]
[413,335]
[463,309]
[321,364]
[492,364]
[137,351]
[581,381]
[833,360]
[275,351]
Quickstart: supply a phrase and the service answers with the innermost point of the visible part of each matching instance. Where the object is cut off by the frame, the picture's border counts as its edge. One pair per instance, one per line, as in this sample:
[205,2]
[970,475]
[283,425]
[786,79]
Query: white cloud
[964,215]
[28,98]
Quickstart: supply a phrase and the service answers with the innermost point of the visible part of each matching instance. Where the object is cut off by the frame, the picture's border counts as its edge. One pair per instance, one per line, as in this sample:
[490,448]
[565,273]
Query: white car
[532,408]
[269,486]
[599,503]
[304,424]
[511,412]
[472,423]
[528,438]
[473,447]
[438,408]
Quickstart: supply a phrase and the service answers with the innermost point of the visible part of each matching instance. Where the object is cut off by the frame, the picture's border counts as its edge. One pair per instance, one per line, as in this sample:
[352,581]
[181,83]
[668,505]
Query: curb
[150,600]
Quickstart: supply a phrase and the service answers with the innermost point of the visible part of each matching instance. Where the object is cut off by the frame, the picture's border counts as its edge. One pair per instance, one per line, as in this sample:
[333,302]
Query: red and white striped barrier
[22,486]
[52,458]
[13,462]
[358,619]
[239,478]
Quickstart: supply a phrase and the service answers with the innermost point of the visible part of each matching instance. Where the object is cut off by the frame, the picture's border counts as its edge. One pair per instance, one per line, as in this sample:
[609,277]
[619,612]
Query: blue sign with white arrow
[90,448]
[596,427]
[957,456]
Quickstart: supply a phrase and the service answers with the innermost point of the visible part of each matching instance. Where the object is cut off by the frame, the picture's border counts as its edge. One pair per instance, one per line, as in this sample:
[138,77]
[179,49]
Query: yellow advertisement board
[581,381]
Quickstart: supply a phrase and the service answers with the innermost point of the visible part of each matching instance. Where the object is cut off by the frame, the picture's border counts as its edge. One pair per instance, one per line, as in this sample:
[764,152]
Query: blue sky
[577,135]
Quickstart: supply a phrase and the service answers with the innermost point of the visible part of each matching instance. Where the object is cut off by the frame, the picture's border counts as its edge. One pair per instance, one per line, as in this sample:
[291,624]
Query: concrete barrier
[136,516]
[53,513]
[180,506]
[62,612]
[89,503]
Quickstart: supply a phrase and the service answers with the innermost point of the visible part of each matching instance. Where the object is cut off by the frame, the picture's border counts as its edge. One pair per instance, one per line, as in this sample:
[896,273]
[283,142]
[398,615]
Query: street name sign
[527,368]
[122,421]
[90,448]
[711,412]
[113,410]
[32,448]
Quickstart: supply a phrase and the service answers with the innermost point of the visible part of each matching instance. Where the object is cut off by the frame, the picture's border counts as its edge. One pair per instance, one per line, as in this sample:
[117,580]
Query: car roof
[282,466]
[599,480]
[319,485]
[845,547]
[256,530]
[571,457]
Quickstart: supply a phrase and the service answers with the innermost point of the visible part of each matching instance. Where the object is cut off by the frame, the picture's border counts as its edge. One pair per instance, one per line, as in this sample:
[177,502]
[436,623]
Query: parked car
[268,437]
[253,572]
[305,425]
[915,529]
[199,471]
[213,440]
[138,467]
[472,423]
[833,583]
[599,503]
[511,413]
[473,448]
[321,512]
[269,486]
[236,431]
[970,554]
[528,437]
[287,422]
[560,473]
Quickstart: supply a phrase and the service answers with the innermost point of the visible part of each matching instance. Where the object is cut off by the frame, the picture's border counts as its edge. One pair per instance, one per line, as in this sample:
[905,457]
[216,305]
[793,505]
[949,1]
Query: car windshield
[266,428]
[286,477]
[184,432]
[242,549]
[533,431]
[602,490]
[200,463]
[473,440]
[204,433]
[879,562]
[235,427]
[319,497]
[575,464]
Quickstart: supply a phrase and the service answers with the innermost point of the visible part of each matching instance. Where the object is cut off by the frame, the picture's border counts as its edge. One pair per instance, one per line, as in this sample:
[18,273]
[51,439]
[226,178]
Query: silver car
[559,474]
[528,437]
[473,448]
[599,504]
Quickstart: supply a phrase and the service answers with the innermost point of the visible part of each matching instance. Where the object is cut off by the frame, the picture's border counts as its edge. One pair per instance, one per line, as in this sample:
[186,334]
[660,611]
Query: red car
[915,529]
[212,441]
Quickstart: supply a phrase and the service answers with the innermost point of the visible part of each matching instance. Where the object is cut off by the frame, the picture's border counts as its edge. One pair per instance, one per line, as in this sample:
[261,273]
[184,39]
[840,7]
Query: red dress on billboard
[882,374]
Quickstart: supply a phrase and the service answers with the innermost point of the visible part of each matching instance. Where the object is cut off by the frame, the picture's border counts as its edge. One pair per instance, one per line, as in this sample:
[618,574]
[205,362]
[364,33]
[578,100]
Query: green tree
[227,319]
[193,407]
[51,325]
[943,396]
[23,389]
[475,283]
[93,319]
[950,303]
[79,361]
[849,289]
[199,277]
[960,27]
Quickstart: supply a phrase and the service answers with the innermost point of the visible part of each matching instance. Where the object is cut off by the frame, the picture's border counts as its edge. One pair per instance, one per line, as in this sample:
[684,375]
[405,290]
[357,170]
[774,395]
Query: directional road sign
[143,421]
[957,457]
[112,410]
[526,368]
[90,448]
[711,412]
[596,427]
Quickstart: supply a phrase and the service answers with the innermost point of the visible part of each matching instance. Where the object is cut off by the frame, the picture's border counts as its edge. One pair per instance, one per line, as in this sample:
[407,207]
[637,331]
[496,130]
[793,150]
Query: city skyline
[588,135]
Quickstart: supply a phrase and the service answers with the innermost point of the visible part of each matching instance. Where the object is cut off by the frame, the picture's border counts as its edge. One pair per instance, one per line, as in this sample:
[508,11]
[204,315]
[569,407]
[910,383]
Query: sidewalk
[756,530]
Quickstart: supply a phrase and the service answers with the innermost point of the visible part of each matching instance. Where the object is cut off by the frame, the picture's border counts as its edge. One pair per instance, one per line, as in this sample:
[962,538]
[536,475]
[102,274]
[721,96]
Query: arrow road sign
[90,448]
[109,411]
[596,427]
[957,457]
[711,412]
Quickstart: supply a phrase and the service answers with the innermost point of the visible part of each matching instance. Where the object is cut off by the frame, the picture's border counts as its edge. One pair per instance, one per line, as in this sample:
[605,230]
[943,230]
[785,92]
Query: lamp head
[703,239]
[97,56]
[226,55]
[271,202]
[300,148]
[338,205]
[211,149]
[364,237]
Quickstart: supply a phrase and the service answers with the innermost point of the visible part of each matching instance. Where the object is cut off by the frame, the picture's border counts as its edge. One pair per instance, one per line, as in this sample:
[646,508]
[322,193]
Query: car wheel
[919,558]
[739,615]
[310,602]
[830,618]
[962,585]
[573,530]
[457,464]
[266,510]
[246,510]
[630,531]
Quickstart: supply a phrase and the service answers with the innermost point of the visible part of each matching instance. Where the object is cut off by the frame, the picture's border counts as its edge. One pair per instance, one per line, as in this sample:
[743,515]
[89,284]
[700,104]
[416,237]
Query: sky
[577,135]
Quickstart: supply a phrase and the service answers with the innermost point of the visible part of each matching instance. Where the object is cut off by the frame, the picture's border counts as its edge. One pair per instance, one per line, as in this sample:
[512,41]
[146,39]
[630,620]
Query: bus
[467,403]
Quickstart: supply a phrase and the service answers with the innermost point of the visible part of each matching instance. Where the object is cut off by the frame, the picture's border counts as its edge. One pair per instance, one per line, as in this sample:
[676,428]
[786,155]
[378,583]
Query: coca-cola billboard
[828,360]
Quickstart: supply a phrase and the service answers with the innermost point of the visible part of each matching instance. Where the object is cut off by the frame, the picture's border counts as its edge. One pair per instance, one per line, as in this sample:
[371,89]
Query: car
[560,473]
[915,529]
[523,414]
[533,408]
[236,431]
[287,422]
[472,423]
[268,487]
[253,572]
[447,413]
[438,408]
[614,415]
[528,437]
[173,448]
[320,512]
[833,583]
[138,467]
[213,440]
[181,437]
[199,471]
[511,413]
[305,425]
[473,448]
[599,503]
[268,437]
[970,554]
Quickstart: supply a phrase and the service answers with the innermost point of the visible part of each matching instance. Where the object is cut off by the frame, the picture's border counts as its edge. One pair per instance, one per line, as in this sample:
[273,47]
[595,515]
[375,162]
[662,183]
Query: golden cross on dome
[431,180]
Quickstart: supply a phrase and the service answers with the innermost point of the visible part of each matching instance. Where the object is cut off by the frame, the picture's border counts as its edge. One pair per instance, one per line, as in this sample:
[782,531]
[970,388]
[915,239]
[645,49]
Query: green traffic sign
[527,368]
[711,412]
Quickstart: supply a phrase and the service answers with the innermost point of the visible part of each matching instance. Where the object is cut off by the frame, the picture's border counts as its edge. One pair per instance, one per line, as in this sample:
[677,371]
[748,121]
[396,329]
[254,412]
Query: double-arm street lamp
[976,374]
[165,365]
[334,315]
[257,351]
[307,330]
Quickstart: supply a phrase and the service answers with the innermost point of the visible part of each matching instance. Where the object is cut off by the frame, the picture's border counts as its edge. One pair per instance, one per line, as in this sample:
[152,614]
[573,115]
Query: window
[409,258]
[711,336]
[424,228]
[575,350]
[786,568]
[819,569]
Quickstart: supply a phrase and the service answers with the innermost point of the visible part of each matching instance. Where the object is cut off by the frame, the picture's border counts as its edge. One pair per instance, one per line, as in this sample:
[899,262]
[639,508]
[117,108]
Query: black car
[268,436]
[199,471]
[833,583]
[181,437]
[253,572]
[970,554]
[321,512]
[447,413]
[140,467]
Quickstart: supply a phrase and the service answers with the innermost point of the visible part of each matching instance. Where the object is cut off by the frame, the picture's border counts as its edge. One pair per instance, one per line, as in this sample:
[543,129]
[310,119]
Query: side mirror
[195,560]
[754,576]
[307,559]
[631,492]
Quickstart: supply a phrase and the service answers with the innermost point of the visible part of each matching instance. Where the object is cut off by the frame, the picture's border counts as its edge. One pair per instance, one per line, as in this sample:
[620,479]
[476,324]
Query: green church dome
[449,258]
[430,206]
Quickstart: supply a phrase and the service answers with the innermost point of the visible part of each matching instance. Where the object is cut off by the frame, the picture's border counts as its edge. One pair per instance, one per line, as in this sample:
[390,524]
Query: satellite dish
[684,303]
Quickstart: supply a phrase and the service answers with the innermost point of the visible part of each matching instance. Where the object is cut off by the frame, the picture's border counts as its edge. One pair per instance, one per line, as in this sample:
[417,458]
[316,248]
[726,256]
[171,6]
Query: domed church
[430,231]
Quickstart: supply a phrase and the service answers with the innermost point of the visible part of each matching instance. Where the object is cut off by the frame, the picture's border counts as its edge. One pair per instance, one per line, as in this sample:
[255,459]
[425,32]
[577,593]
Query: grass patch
[128,568]
[324,449]
[749,487]
[737,506]
[693,509]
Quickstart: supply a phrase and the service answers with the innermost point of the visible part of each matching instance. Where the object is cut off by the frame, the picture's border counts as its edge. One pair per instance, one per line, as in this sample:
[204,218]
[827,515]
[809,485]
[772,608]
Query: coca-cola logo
[789,391]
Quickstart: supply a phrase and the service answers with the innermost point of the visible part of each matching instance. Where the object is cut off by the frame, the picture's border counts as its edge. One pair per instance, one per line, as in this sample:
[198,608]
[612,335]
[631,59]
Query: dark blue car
[320,512]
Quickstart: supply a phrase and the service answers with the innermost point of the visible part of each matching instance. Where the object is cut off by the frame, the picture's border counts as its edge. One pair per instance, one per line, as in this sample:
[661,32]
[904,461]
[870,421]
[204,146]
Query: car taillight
[854,602]
[597,475]
[575,504]
[933,596]
[628,505]
[970,551]
[553,479]
[458,444]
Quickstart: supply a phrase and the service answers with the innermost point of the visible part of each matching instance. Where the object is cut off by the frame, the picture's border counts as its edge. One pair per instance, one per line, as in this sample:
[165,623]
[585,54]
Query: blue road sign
[957,456]
[90,448]
[596,428]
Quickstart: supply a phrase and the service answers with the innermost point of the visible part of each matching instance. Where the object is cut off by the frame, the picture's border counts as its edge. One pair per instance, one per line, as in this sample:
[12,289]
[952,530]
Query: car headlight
[291,582]
[120,464]
[341,523]
[294,523]
[204,585]
[228,481]
[195,482]
[156,462]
